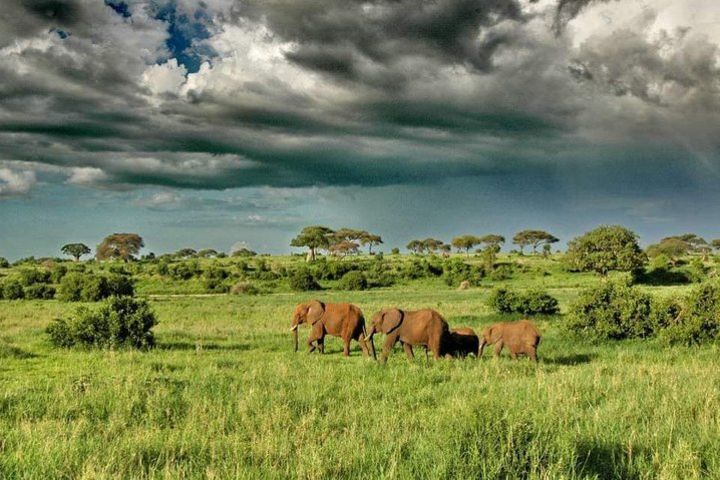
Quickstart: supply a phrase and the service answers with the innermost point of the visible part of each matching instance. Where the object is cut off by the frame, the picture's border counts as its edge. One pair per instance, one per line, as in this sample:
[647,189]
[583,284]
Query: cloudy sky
[207,123]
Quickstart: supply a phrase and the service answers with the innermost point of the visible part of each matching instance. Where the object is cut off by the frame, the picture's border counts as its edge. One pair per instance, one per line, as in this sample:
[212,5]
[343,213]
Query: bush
[40,291]
[244,288]
[77,287]
[395,251]
[119,322]
[302,280]
[455,271]
[12,290]
[613,310]
[353,281]
[698,321]
[533,302]
[4,263]
[57,273]
[31,276]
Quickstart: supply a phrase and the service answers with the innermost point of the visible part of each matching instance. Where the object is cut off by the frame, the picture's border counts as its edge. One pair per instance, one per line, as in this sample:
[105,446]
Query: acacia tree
[432,244]
[415,246]
[671,247]
[606,248]
[122,246]
[371,240]
[491,240]
[315,238]
[535,238]
[465,242]
[344,248]
[695,244]
[75,250]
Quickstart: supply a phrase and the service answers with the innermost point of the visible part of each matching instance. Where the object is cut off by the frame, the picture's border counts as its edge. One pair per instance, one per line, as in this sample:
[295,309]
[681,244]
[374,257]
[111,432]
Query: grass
[224,396]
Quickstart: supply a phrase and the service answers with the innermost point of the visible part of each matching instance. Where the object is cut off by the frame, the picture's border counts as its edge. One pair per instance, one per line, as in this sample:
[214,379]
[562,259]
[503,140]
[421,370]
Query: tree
[122,246]
[606,248]
[75,250]
[370,240]
[207,253]
[672,247]
[432,244]
[465,242]
[695,244]
[344,248]
[716,244]
[491,240]
[534,238]
[415,246]
[315,238]
[185,253]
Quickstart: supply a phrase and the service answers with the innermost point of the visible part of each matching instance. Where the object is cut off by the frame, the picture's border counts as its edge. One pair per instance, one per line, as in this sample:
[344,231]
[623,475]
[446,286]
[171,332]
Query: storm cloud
[223,94]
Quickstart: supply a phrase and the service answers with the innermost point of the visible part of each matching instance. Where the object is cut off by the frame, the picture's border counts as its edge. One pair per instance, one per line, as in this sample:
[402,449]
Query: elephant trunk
[294,331]
[369,338]
[481,347]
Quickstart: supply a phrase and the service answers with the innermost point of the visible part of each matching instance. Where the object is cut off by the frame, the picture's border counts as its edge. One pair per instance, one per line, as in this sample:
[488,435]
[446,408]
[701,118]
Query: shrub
[353,281]
[119,322]
[244,288]
[4,263]
[184,270]
[57,273]
[698,321]
[76,287]
[31,276]
[332,270]
[395,251]
[120,285]
[12,290]
[214,280]
[533,302]
[40,291]
[613,310]
[302,280]
[455,271]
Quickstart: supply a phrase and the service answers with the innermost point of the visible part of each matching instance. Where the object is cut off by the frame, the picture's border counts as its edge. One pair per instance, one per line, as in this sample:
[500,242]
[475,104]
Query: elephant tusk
[292,329]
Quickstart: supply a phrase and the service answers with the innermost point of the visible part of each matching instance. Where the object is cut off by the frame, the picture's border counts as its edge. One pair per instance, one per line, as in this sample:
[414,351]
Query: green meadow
[224,396]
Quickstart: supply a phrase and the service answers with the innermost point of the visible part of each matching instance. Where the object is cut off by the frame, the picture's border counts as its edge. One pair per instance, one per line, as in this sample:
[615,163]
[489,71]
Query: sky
[219,123]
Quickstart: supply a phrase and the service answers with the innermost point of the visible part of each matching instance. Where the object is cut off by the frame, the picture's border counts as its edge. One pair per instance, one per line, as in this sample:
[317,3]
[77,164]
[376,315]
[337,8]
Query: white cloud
[14,183]
[87,176]
[165,78]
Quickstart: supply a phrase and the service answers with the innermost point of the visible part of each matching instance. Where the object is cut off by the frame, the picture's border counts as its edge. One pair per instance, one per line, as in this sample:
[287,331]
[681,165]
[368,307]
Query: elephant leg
[321,344]
[513,354]
[532,353]
[498,348]
[390,341]
[408,351]
[346,347]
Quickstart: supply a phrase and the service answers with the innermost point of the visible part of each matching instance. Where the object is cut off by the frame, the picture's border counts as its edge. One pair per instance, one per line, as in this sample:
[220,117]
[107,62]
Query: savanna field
[223,395]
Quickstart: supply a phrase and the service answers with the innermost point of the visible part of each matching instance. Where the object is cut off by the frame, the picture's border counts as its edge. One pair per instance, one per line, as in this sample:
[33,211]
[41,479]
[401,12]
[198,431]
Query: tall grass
[224,396]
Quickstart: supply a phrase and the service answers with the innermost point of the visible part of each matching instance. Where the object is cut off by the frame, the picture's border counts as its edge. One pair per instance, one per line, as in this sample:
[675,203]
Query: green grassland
[224,396]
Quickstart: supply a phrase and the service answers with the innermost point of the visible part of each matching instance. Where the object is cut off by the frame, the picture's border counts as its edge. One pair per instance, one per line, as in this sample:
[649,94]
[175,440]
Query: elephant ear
[316,309]
[391,319]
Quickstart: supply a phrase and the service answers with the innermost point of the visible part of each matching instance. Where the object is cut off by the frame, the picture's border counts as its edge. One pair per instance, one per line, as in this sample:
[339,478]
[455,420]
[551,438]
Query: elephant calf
[422,327]
[520,337]
[462,342]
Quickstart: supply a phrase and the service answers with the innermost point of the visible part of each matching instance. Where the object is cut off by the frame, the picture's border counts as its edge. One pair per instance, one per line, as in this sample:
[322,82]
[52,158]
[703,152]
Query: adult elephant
[411,328]
[342,320]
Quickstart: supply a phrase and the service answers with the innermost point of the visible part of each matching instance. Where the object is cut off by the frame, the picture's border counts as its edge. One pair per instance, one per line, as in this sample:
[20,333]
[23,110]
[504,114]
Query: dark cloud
[566,10]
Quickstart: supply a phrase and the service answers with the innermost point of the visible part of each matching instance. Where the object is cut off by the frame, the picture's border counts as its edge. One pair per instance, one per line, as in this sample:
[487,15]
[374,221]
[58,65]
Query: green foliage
[244,288]
[75,250]
[395,251]
[118,322]
[532,302]
[40,291]
[302,280]
[184,270]
[12,289]
[353,281]
[57,273]
[4,263]
[613,310]
[456,271]
[604,249]
[76,287]
[31,276]
[243,252]
[698,320]
[214,280]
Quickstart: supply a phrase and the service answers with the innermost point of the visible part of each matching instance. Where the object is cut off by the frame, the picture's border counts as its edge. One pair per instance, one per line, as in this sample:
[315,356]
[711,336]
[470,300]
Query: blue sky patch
[186,31]
[121,8]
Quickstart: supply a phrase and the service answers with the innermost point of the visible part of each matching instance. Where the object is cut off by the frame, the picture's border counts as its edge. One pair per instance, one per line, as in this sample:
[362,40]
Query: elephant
[521,337]
[342,320]
[422,327]
[462,342]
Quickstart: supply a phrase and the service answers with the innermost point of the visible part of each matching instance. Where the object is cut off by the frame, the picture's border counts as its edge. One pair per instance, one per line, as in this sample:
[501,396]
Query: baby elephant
[462,342]
[519,337]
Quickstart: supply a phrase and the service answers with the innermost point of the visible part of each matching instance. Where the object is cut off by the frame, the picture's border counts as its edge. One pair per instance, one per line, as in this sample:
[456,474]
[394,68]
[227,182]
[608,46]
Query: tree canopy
[671,247]
[315,237]
[75,250]
[606,248]
[535,238]
[465,242]
[122,246]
